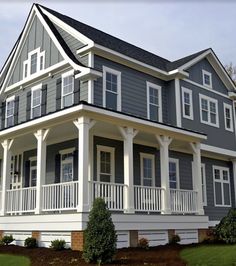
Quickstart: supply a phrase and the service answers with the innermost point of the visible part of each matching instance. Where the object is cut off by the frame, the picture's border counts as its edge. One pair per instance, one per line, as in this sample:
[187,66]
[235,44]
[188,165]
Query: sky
[168,28]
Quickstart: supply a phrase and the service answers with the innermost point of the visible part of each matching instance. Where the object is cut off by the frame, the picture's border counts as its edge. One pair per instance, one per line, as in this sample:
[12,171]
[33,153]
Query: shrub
[7,240]
[31,242]
[58,244]
[143,243]
[100,236]
[175,239]
[226,229]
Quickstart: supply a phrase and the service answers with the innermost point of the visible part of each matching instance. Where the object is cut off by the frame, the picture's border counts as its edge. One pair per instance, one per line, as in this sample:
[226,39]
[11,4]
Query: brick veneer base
[133,238]
[77,240]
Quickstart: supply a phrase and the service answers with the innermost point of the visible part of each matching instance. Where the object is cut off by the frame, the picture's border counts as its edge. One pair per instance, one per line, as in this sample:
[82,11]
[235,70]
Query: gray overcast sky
[171,29]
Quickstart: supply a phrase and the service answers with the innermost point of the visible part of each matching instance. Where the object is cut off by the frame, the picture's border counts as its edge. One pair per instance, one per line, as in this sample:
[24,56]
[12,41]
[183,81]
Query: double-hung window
[33,172]
[187,103]
[10,107]
[174,173]
[222,192]
[36,100]
[67,165]
[147,162]
[111,89]
[67,94]
[207,79]
[228,117]
[209,111]
[154,103]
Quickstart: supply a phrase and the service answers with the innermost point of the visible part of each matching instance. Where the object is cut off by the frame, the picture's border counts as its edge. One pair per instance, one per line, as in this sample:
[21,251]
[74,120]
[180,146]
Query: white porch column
[197,176]
[41,136]
[164,142]
[6,173]
[128,134]
[83,124]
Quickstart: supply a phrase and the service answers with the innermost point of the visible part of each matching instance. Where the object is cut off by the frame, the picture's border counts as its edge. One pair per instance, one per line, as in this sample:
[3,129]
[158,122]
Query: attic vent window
[207,80]
[34,63]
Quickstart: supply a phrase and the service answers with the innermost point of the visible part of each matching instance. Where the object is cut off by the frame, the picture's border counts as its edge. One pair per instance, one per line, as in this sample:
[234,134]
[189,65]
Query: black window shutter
[75,163]
[3,108]
[27,173]
[44,100]
[28,106]
[76,91]
[16,110]
[57,168]
[58,95]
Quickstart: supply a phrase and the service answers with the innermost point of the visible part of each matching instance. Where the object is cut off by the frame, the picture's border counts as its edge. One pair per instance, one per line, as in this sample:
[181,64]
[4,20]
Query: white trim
[226,152]
[228,106]
[204,72]
[33,158]
[111,150]
[147,156]
[208,99]
[213,223]
[176,161]
[203,170]
[185,90]
[63,76]
[65,151]
[118,74]
[159,106]
[177,103]
[37,87]
[221,181]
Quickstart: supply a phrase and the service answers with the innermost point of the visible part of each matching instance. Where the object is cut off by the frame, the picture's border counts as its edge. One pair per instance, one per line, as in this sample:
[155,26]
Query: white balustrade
[60,196]
[112,193]
[183,201]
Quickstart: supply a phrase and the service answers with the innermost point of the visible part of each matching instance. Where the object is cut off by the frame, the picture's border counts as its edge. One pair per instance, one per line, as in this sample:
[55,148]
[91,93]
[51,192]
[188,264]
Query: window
[154,108]
[67,165]
[228,117]
[105,164]
[207,79]
[187,103]
[10,106]
[204,193]
[147,169]
[33,172]
[36,98]
[67,89]
[34,63]
[174,173]
[221,186]
[111,89]
[209,111]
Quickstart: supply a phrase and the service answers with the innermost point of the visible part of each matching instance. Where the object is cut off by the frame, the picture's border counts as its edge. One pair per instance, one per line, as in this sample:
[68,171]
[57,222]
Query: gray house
[85,115]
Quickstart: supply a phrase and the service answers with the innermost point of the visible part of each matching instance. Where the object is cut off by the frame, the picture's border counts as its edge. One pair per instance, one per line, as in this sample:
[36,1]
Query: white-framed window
[204,191]
[33,171]
[154,102]
[228,117]
[207,79]
[105,164]
[67,89]
[147,169]
[222,193]
[34,63]
[111,88]
[10,108]
[209,110]
[187,103]
[67,164]
[174,173]
[36,100]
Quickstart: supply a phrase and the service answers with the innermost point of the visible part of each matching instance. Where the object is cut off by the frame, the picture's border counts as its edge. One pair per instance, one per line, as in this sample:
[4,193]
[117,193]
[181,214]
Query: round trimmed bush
[6,240]
[31,242]
[58,244]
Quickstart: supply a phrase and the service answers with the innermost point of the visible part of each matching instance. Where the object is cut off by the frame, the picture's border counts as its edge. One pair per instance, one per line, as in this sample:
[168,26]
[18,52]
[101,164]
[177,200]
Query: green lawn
[210,255]
[10,260]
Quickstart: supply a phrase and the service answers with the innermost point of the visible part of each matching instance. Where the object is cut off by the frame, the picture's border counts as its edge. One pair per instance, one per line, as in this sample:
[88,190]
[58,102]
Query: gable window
[10,106]
[174,173]
[111,89]
[221,186]
[187,103]
[147,170]
[154,108]
[228,117]
[67,165]
[209,111]
[36,99]
[34,63]
[207,79]
[204,193]
[67,94]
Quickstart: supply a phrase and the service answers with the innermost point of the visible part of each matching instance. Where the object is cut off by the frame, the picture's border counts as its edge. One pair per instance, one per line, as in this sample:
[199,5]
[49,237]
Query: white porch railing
[112,193]
[60,196]
[148,198]
[183,201]
[21,200]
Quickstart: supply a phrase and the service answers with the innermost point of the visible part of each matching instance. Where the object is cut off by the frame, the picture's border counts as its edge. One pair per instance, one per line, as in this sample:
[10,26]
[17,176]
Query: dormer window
[34,63]
[207,80]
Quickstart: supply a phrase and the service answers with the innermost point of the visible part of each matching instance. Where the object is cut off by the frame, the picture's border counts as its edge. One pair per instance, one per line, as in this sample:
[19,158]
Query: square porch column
[6,173]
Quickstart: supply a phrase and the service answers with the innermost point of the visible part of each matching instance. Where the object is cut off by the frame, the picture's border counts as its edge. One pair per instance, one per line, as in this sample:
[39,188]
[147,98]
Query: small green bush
[143,243]
[7,240]
[58,244]
[175,239]
[31,242]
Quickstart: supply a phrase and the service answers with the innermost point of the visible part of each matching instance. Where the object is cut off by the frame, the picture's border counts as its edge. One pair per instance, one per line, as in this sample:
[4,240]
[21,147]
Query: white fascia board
[220,151]
[232,95]
[89,74]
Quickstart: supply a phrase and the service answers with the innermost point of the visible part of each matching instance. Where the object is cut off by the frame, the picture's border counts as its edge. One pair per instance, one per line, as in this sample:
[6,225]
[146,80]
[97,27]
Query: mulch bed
[161,256]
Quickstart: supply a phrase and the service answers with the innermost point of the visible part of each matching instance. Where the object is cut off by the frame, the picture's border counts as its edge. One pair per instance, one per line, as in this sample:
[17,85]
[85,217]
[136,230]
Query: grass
[210,255]
[11,260]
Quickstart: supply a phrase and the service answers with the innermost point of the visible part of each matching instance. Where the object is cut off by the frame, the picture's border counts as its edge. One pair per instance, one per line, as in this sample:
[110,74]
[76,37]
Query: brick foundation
[205,234]
[36,235]
[77,240]
[1,234]
[171,233]
[133,238]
